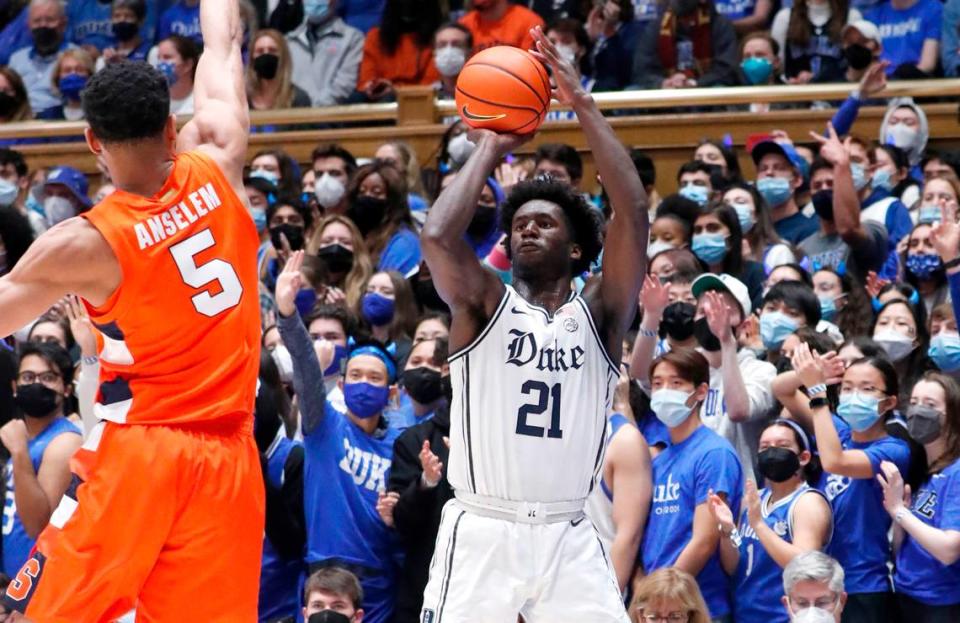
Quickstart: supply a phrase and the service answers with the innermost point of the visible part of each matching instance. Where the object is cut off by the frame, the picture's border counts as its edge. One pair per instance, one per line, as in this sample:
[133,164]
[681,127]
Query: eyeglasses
[824,603]
[29,378]
[673,617]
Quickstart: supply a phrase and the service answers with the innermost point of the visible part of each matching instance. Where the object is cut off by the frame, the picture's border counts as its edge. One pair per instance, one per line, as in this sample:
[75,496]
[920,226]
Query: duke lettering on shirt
[177,218]
[666,493]
[523,350]
[900,29]
[367,468]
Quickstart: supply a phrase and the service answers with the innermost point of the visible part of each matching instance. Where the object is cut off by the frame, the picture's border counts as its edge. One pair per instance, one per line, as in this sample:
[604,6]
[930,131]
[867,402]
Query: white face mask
[568,53]
[58,209]
[658,247]
[814,615]
[329,191]
[902,136]
[449,60]
[895,343]
[460,149]
[8,192]
[281,357]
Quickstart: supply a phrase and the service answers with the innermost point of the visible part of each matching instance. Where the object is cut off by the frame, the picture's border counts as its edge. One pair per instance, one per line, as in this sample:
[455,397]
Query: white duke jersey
[530,400]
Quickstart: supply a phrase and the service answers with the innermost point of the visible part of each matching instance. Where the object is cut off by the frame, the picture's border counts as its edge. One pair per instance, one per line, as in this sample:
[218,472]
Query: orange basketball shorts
[165,519]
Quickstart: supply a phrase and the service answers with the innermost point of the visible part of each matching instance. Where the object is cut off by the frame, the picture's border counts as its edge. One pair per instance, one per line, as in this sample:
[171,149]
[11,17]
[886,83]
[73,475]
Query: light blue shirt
[37,73]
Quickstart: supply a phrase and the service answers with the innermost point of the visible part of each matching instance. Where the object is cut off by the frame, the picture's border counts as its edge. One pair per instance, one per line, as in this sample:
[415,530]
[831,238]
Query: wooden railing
[668,134]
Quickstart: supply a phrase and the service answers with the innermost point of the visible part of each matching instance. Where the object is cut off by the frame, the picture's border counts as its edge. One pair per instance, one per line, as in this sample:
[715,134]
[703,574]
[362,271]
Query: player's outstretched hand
[288,284]
[568,88]
[386,503]
[432,467]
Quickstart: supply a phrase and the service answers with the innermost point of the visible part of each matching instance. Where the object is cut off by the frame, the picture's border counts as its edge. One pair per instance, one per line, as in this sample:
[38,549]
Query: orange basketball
[504,89]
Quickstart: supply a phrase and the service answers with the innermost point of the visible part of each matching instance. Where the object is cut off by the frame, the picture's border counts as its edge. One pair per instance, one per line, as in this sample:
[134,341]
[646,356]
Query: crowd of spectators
[791,385]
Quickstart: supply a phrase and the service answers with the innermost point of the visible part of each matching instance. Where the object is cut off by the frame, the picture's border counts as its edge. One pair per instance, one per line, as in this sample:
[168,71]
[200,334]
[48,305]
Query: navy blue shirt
[795,228]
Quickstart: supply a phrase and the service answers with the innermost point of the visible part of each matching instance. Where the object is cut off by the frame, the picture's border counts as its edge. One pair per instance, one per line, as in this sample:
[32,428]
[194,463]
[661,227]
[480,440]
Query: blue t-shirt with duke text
[903,32]
[180,19]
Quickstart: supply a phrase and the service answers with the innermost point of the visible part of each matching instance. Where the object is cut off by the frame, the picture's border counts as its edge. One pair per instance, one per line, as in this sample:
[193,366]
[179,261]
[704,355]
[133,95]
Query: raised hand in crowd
[432,467]
[288,284]
[386,503]
[80,326]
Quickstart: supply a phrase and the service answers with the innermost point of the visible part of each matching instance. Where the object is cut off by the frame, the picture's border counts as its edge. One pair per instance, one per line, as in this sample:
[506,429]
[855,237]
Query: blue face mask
[711,248]
[259,219]
[775,328]
[745,216]
[775,190]
[923,265]
[270,176]
[859,175]
[365,400]
[945,351]
[756,69]
[339,354]
[929,214]
[71,85]
[169,71]
[695,193]
[314,9]
[670,406]
[881,180]
[377,309]
[305,301]
[859,411]
[828,308]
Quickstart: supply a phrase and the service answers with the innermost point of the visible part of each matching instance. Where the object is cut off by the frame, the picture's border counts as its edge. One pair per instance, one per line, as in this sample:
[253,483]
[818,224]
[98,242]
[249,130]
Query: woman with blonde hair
[668,595]
[70,74]
[402,156]
[338,242]
[269,83]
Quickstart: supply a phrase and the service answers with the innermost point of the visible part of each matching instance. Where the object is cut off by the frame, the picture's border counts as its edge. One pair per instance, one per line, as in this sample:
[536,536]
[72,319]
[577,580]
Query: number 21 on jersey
[544,398]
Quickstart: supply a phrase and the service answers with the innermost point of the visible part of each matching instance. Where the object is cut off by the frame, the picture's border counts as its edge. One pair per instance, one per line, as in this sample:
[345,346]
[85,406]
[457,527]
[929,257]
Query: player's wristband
[817,389]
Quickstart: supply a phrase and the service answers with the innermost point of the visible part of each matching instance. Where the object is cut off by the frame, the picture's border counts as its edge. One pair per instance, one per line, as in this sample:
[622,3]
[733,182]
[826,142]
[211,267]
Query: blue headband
[797,429]
[379,353]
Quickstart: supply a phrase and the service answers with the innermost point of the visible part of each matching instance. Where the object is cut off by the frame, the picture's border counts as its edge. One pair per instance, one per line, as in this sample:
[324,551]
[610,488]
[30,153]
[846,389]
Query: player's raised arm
[460,279]
[625,247]
[221,120]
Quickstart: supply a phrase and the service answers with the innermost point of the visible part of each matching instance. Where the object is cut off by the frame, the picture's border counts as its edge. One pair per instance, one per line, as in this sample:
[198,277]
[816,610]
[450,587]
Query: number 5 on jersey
[202,276]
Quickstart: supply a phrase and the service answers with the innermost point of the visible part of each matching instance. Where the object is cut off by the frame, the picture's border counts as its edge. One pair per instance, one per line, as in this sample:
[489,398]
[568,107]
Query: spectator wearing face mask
[70,75]
[484,229]
[455,147]
[347,456]
[842,302]
[809,38]
[64,195]
[498,22]
[92,23]
[325,54]
[177,58]
[279,168]
[681,532]
[333,595]
[573,45]
[337,242]
[668,307]
[761,243]
[269,75]
[404,158]
[813,589]
[910,34]
[613,33]
[48,24]
[399,51]
[40,446]
[760,65]
[14,104]
[926,533]
[923,268]
[130,33]
[389,312]
[900,329]
[379,206]
[846,241]
[333,167]
[787,307]
[422,388]
[451,47]
[694,182]
[693,46]
[892,174]
[672,226]
[779,175]
[778,523]
[861,48]
[183,19]
[718,244]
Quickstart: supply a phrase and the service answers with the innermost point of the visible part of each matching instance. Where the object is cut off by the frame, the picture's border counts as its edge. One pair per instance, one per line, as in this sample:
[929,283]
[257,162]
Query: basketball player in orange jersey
[165,512]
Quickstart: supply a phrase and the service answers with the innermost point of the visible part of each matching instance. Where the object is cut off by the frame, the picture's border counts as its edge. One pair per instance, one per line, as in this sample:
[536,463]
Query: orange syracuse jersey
[181,335]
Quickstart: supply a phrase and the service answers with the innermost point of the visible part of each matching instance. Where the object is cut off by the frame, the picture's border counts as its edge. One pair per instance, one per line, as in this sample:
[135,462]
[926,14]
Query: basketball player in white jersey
[533,372]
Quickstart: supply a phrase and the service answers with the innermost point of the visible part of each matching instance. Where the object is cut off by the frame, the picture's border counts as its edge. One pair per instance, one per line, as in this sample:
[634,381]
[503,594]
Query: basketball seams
[492,103]
[519,79]
[501,89]
[544,76]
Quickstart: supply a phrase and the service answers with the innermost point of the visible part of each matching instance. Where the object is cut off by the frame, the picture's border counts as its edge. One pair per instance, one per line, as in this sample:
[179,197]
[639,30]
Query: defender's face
[540,235]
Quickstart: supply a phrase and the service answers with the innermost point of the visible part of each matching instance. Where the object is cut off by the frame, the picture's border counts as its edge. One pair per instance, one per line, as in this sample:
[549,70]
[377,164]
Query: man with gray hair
[813,589]
[47,21]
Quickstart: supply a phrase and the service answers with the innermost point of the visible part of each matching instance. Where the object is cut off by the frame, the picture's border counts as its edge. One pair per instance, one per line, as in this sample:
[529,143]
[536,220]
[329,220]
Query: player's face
[322,600]
[49,333]
[367,369]
[328,329]
[541,236]
[430,330]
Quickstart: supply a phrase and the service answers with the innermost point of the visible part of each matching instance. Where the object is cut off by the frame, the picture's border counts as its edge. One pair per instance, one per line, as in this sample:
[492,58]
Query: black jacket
[417,514]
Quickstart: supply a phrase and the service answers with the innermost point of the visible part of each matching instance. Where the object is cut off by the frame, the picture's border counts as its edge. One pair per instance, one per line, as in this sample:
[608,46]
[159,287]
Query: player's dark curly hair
[126,101]
[584,221]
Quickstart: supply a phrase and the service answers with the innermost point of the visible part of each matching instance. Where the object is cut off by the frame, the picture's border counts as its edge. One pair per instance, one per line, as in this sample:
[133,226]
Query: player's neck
[681,433]
[547,293]
[36,425]
[145,171]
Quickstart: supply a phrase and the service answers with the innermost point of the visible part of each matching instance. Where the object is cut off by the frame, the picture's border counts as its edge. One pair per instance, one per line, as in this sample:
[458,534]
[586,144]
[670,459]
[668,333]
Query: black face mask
[8,105]
[423,384]
[266,66]
[778,464]
[858,56]
[677,321]
[338,258]
[427,295]
[46,40]
[36,400]
[124,31]
[483,221]
[367,213]
[294,234]
[328,616]
[823,204]
[706,339]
